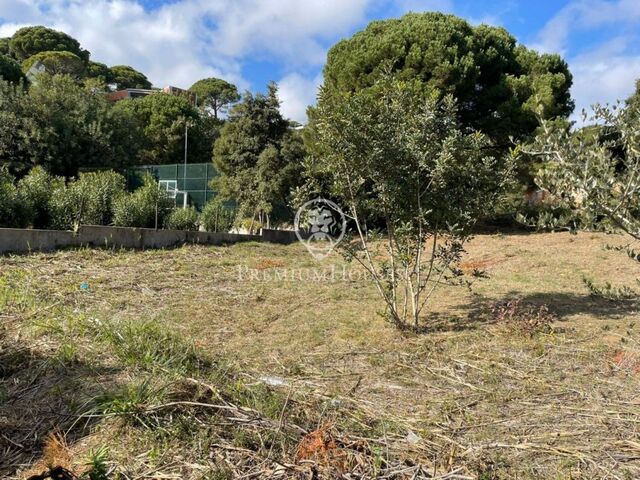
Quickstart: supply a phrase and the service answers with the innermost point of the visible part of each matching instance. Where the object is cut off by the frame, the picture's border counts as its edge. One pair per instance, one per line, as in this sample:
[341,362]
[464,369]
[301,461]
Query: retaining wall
[25,240]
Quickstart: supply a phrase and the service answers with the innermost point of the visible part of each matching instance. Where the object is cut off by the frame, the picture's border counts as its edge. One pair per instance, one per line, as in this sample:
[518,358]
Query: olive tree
[388,153]
[595,173]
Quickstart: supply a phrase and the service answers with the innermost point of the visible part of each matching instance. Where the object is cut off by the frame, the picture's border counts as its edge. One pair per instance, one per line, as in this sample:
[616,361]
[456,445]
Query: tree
[20,136]
[74,127]
[10,69]
[494,81]
[386,151]
[162,120]
[29,41]
[595,174]
[633,102]
[4,46]
[124,76]
[257,156]
[57,63]
[99,71]
[216,94]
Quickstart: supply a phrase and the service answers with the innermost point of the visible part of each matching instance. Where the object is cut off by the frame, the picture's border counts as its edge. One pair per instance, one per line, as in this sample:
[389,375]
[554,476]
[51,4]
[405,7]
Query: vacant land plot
[217,362]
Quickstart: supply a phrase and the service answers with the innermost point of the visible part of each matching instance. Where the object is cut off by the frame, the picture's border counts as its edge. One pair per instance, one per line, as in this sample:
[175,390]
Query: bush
[139,208]
[9,202]
[90,200]
[182,219]
[216,217]
[35,192]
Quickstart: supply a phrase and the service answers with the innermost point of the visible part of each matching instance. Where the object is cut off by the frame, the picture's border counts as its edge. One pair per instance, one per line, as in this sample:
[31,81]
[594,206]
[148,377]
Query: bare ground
[470,397]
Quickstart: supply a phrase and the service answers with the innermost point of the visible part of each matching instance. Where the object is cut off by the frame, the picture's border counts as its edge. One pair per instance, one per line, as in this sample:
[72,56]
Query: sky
[252,42]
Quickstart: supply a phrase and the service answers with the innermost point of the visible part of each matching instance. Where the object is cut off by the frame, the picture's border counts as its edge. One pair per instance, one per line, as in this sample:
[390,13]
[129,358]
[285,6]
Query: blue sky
[250,42]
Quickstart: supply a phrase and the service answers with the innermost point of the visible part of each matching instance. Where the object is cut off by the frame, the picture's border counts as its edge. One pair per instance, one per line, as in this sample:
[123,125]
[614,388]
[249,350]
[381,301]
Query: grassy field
[210,362]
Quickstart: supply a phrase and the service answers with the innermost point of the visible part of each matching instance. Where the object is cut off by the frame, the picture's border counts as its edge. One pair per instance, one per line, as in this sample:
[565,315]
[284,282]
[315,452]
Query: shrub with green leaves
[9,204]
[90,200]
[147,207]
[35,192]
[182,219]
[216,217]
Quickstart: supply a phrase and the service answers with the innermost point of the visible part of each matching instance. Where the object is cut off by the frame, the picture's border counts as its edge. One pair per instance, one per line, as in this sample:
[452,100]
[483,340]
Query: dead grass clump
[56,462]
[524,317]
[267,263]
[321,447]
[627,361]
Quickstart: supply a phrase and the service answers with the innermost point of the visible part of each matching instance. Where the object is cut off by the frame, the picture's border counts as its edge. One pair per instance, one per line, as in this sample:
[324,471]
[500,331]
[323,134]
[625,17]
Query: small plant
[130,400]
[525,317]
[148,345]
[609,291]
[182,219]
[97,463]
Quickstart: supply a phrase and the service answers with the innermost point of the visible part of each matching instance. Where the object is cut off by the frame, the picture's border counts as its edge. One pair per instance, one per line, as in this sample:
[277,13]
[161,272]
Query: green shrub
[9,201]
[216,217]
[35,192]
[182,219]
[139,209]
[90,200]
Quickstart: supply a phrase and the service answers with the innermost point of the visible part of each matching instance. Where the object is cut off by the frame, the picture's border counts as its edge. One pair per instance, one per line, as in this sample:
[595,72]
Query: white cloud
[296,93]
[604,75]
[184,41]
[606,70]
[584,15]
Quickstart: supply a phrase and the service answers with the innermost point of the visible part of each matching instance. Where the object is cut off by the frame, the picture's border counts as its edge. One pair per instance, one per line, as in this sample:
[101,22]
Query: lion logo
[320,225]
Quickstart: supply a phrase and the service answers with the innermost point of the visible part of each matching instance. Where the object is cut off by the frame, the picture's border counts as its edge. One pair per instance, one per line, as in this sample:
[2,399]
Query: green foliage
[73,127]
[9,201]
[29,41]
[20,136]
[147,207]
[595,175]
[387,155]
[35,191]
[217,217]
[97,463]
[609,292]
[123,76]
[90,200]
[4,46]
[633,102]
[258,156]
[10,69]
[162,120]
[149,345]
[497,84]
[182,219]
[215,94]
[57,63]
[99,71]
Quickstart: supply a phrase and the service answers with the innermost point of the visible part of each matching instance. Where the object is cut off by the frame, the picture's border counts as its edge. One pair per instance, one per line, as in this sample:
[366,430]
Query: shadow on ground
[478,312]
[41,392]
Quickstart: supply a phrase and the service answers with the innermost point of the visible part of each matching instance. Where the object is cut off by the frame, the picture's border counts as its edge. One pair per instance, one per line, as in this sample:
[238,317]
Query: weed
[608,291]
[524,317]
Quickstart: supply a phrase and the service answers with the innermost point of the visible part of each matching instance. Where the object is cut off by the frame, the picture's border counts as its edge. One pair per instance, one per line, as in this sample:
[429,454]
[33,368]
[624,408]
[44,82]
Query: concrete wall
[24,240]
[19,240]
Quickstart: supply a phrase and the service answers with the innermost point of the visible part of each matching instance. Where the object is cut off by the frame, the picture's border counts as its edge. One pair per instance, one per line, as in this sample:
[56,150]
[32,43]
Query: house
[143,92]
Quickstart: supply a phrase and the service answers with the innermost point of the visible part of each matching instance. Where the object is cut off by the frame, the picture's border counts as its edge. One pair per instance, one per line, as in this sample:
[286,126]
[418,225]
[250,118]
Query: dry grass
[469,398]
